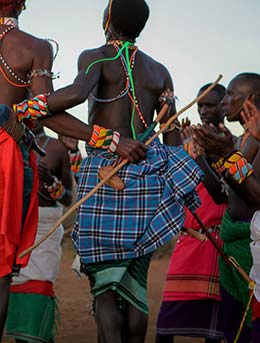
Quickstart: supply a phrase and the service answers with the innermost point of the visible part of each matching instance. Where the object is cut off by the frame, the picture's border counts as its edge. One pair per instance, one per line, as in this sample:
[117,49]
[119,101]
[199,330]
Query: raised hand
[131,149]
[214,144]
[251,118]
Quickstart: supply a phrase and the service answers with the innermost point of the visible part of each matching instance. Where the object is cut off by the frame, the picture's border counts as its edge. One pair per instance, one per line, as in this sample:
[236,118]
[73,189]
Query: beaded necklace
[11,24]
[127,63]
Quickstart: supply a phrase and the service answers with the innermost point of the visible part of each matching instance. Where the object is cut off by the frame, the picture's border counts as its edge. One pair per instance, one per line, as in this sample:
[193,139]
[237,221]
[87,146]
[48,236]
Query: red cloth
[13,238]
[193,272]
[34,287]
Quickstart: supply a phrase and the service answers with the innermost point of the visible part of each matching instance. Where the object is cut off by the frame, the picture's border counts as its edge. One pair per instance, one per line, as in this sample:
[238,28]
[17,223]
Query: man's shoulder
[152,62]
[32,42]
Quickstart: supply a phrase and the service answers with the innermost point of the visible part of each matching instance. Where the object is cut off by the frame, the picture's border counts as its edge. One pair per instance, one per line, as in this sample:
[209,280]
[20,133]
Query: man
[32,292]
[192,282]
[117,231]
[25,64]
[241,169]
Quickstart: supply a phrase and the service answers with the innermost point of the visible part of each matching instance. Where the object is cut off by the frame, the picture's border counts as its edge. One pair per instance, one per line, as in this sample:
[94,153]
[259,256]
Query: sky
[195,39]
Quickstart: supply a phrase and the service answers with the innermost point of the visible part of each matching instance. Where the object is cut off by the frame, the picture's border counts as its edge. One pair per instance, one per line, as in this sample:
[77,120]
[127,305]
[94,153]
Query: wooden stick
[194,233]
[228,259]
[117,168]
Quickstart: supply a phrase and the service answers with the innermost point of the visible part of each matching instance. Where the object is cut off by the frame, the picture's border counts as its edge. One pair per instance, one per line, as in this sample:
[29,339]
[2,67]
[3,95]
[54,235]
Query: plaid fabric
[133,222]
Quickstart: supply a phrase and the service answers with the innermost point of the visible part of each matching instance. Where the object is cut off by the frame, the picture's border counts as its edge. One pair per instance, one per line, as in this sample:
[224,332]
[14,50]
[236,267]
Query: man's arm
[66,176]
[172,137]
[79,90]
[218,147]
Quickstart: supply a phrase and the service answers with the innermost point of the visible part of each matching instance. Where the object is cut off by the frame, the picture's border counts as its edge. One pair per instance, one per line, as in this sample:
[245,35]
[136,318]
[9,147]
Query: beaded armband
[33,108]
[235,165]
[56,190]
[104,138]
[75,160]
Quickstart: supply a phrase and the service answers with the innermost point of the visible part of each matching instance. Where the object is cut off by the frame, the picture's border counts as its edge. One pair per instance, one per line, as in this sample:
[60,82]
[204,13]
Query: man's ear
[251,97]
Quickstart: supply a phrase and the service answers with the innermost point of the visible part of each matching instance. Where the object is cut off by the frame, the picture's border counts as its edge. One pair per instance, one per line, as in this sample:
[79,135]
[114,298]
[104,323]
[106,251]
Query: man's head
[242,87]
[11,7]
[209,107]
[128,17]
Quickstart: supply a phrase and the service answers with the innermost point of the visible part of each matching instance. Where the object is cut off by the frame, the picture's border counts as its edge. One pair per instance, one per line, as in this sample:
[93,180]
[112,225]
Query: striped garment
[128,278]
[146,214]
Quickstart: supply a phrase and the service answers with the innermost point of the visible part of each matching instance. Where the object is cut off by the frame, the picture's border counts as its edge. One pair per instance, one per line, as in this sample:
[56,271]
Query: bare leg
[108,318]
[136,325]
[4,291]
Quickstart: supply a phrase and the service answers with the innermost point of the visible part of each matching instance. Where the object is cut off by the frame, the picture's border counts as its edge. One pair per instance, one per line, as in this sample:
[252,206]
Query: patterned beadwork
[104,138]
[34,108]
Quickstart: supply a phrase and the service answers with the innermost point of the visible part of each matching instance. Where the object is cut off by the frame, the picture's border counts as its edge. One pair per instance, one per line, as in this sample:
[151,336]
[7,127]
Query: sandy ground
[77,325]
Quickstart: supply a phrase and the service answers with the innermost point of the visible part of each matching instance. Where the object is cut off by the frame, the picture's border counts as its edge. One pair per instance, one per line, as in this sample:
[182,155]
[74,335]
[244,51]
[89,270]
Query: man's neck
[9,21]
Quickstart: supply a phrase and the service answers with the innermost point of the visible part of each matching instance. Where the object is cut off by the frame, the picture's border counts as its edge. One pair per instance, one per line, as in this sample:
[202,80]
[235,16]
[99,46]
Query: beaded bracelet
[75,160]
[56,190]
[104,138]
[33,108]
[235,165]
[240,170]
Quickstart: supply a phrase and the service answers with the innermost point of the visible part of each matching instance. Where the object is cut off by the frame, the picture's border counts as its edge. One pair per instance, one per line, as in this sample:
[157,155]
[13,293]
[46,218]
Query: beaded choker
[9,21]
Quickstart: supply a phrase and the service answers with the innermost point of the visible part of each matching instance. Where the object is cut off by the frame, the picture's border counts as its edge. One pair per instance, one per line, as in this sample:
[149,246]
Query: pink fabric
[193,270]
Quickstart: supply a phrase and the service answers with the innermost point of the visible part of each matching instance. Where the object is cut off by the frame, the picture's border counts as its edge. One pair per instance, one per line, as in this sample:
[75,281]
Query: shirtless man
[32,292]
[242,172]
[116,232]
[26,64]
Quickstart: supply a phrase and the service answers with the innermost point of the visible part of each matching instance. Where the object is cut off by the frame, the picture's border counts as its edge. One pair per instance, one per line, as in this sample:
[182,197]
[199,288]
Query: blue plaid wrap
[148,213]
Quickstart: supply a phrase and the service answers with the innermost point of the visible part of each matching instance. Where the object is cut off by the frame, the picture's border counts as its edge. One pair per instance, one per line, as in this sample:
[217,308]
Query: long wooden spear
[118,167]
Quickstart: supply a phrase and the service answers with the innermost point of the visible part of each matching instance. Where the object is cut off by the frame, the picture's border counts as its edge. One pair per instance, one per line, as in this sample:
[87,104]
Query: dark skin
[23,53]
[211,113]
[106,80]
[243,198]
[55,163]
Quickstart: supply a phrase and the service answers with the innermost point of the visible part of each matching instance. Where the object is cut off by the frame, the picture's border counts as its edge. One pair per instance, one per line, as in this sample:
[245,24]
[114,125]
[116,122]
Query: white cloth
[44,263]
[255,251]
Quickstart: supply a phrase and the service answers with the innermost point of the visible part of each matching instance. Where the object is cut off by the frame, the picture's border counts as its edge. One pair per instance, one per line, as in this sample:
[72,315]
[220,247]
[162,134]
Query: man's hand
[130,149]
[214,144]
[251,117]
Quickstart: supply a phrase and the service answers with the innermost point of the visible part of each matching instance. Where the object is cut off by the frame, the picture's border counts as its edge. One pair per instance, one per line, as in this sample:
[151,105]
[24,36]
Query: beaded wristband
[240,170]
[56,190]
[232,158]
[33,108]
[235,165]
[75,160]
[104,138]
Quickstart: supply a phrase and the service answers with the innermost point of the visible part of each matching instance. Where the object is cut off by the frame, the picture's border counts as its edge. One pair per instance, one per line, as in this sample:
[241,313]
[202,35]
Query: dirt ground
[77,325]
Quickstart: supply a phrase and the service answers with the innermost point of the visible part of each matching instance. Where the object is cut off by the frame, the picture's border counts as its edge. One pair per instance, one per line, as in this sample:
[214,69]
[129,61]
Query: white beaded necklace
[11,23]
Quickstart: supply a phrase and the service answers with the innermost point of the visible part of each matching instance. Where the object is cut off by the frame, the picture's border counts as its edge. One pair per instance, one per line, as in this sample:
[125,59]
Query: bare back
[105,80]
[23,53]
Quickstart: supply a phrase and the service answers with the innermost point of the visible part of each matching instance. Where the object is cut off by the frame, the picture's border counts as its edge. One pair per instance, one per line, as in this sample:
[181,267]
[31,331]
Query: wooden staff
[228,259]
[116,169]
